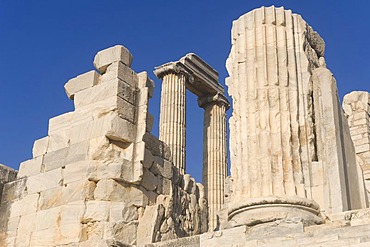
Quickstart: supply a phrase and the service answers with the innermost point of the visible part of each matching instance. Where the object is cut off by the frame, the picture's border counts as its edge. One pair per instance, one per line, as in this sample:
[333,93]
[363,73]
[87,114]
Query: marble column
[272,142]
[172,123]
[214,153]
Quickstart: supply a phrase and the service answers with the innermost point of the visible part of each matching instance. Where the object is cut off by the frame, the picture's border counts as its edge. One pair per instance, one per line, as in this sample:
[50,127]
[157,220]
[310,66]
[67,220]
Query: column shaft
[172,127]
[214,157]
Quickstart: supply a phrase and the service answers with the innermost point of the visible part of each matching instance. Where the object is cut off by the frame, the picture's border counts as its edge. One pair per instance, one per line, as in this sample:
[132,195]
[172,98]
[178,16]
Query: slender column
[214,153]
[172,123]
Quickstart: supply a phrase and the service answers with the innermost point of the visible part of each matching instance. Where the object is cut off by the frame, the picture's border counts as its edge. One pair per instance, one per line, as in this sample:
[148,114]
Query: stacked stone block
[357,108]
[95,176]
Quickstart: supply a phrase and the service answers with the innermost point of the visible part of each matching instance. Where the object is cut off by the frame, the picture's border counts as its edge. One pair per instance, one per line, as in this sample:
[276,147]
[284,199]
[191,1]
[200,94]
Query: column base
[267,209]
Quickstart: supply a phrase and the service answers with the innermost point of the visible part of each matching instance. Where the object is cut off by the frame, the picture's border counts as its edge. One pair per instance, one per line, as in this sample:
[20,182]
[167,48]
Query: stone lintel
[202,79]
[205,77]
[217,98]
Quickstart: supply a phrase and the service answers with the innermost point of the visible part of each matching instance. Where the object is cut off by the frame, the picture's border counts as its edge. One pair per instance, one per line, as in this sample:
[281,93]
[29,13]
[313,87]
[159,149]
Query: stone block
[30,167]
[58,140]
[77,152]
[121,130]
[40,146]
[71,233]
[29,204]
[7,174]
[81,82]
[149,180]
[47,218]
[13,223]
[54,160]
[123,233]
[157,147]
[115,88]
[72,213]
[162,167]
[122,212]
[193,241]
[27,225]
[14,190]
[96,211]
[149,122]
[110,55]
[126,110]
[78,191]
[114,170]
[78,171]
[110,190]
[142,97]
[148,159]
[362,148]
[149,224]
[223,238]
[44,181]
[60,123]
[45,237]
[50,198]
[145,81]
[111,125]
[118,70]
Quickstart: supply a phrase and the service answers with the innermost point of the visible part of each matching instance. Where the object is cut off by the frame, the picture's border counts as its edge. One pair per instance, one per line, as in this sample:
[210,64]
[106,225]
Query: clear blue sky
[44,43]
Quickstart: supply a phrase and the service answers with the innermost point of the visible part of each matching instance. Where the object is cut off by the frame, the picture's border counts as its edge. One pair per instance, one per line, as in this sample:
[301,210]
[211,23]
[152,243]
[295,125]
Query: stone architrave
[214,153]
[172,122]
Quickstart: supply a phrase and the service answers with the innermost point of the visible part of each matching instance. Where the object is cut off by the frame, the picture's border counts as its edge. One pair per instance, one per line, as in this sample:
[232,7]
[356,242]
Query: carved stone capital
[217,98]
[171,68]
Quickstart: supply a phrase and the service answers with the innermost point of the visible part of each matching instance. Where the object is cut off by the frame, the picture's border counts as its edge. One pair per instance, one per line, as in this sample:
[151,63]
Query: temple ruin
[300,162]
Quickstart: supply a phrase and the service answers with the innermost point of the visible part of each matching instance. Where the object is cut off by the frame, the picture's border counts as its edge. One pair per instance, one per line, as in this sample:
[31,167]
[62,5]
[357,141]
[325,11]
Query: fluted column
[172,123]
[214,153]
[271,130]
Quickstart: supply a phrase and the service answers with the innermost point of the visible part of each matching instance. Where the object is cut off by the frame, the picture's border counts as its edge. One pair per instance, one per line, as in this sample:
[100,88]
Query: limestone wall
[357,108]
[98,176]
[7,174]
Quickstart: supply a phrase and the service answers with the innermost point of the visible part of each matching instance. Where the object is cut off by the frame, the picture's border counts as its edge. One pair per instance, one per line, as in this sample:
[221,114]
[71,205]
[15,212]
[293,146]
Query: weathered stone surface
[7,174]
[100,93]
[81,82]
[162,167]
[149,224]
[60,123]
[356,106]
[40,146]
[149,180]
[281,122]
[14,190]
[110,55]
[120,211]
[44,181]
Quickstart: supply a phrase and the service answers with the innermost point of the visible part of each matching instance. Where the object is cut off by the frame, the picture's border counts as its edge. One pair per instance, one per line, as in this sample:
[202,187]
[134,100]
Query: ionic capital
[217,98]
[171,68]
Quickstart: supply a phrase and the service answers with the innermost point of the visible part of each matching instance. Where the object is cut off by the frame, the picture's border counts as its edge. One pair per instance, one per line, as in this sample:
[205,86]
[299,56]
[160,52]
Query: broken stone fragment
[110,55]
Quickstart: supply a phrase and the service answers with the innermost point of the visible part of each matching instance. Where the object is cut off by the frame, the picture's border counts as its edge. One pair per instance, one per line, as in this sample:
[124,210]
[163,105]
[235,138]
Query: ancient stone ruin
[300,163]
